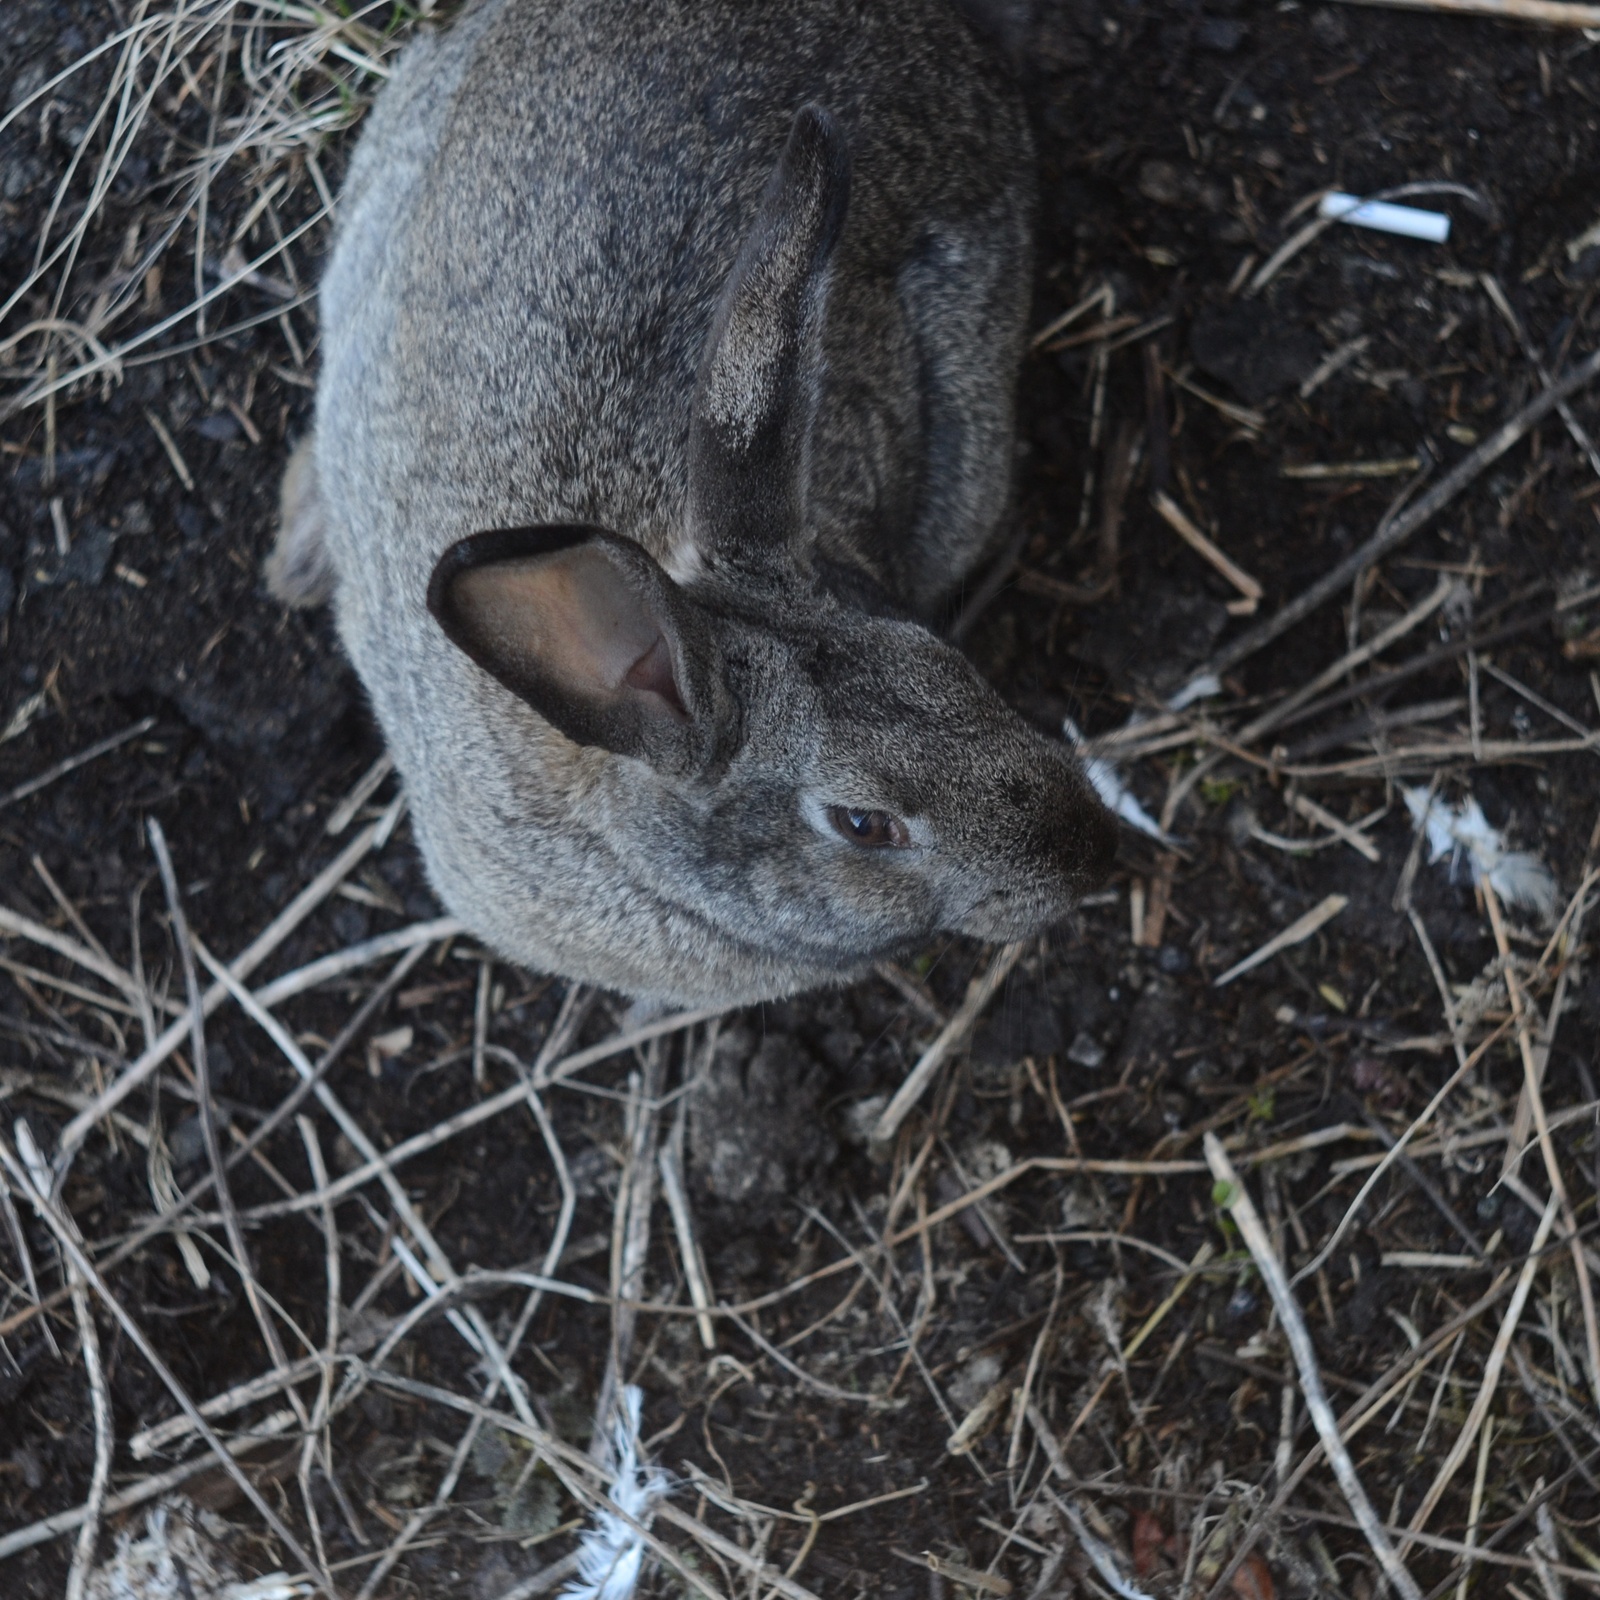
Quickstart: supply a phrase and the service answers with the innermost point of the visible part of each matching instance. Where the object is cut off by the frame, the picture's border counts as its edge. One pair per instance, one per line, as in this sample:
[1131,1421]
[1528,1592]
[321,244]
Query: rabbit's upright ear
[756,390]
[589,630]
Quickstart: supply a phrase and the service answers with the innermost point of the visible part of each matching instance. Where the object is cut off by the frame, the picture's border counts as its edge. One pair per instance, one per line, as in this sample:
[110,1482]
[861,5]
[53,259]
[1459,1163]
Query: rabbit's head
[811,776]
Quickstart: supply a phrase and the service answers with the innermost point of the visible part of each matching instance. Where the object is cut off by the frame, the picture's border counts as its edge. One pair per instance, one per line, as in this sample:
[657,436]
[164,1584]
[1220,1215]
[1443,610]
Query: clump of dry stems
[1463,1451]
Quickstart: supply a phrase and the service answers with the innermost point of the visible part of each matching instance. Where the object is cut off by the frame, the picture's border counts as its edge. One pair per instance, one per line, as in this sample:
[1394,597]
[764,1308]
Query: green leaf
[1261,1105]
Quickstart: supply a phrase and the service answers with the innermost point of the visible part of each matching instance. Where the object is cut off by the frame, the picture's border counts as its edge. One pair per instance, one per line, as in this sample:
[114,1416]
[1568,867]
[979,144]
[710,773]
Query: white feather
[180,1558]
[611,1553]
[1520,878]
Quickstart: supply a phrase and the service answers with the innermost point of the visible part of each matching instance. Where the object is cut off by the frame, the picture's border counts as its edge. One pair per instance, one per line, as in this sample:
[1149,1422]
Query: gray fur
[597,263]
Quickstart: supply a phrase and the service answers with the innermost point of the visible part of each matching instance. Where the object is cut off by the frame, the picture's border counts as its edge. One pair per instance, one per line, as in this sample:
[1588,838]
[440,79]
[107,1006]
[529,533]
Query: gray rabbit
[669,350]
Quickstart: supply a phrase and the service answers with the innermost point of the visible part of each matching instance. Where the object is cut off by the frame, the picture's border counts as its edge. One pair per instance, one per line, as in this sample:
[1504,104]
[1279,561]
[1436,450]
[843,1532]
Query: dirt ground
[1113,1406]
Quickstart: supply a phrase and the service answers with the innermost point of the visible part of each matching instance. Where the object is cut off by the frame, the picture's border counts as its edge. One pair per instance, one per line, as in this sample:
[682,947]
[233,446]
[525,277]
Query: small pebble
[187,1142]
[1223,35]
[1086,1051]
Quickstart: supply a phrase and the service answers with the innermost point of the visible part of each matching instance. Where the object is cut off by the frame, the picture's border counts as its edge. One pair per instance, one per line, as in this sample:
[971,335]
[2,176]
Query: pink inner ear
[652,672]
[571,617]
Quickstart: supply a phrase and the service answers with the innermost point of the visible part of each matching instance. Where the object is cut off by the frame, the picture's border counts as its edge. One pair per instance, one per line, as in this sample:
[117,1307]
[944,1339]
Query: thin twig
[630,1248]
[99,748]
[1533,1093]
[1392,1155]
[979,994]
[1551,13]
[240,968]
[694,1273]
[316,1433]
[63,1232]
[1475,1508]
[1031,1372]
[1297,932]
[208,1125]
[362,791]
[1491,1372]
[1392,532]
[146,1489]
[1183,525]
[104,1441]
[19,1242]
[1348,662]
[14,923]
[1242,1209]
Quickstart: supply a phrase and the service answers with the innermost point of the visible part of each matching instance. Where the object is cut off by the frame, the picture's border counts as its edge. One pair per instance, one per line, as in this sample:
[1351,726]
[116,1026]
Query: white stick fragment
[1407,221]
[104,1441]
[1299,930]
[1586,240]
[1518,877]
[99,748]
[1312,812]
[1113,791]
[1204,687]
[611,1552]
[671,1165]
[363,790]
[1105,1562]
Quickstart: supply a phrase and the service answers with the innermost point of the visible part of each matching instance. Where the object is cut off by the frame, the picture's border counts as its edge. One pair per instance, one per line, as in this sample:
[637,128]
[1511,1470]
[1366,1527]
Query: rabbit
[667,395]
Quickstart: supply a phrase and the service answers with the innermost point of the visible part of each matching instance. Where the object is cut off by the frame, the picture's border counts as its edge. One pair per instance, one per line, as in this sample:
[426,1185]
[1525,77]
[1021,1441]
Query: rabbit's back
[541,218]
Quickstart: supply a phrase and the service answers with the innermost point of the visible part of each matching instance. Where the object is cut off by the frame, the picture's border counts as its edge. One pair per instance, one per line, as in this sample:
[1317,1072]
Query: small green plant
[1223,1195]
[401,16]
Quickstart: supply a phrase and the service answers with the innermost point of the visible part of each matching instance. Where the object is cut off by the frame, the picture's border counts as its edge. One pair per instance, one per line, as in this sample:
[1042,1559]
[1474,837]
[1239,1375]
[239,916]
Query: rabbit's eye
[876,829]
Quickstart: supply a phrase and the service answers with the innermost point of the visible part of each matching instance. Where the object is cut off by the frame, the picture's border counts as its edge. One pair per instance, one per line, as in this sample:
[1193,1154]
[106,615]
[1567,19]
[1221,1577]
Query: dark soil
[1175,140]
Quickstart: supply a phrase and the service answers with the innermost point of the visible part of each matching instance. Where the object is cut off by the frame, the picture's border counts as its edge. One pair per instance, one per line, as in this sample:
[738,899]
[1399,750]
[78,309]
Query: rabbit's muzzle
[1093,842]
[1064,852]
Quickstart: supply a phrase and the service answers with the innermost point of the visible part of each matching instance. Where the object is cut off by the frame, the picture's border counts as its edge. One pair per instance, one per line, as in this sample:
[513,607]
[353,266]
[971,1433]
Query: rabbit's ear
[587,629]
[755,395]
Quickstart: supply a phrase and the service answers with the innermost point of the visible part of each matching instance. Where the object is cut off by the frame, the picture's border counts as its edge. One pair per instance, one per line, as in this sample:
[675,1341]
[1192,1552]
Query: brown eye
[875,829]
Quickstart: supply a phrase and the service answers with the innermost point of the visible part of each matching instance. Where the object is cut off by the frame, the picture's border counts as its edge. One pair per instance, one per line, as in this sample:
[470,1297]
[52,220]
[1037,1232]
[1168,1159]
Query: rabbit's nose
[1099,848]
[1074,837]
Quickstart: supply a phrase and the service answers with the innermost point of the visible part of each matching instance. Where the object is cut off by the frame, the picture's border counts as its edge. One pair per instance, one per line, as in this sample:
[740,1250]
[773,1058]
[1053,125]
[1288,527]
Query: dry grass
[277,81]
[1468,1385]
[1476,1407]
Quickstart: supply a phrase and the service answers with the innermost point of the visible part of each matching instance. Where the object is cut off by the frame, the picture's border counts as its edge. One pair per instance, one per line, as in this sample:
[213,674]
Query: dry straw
[1058,1434]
